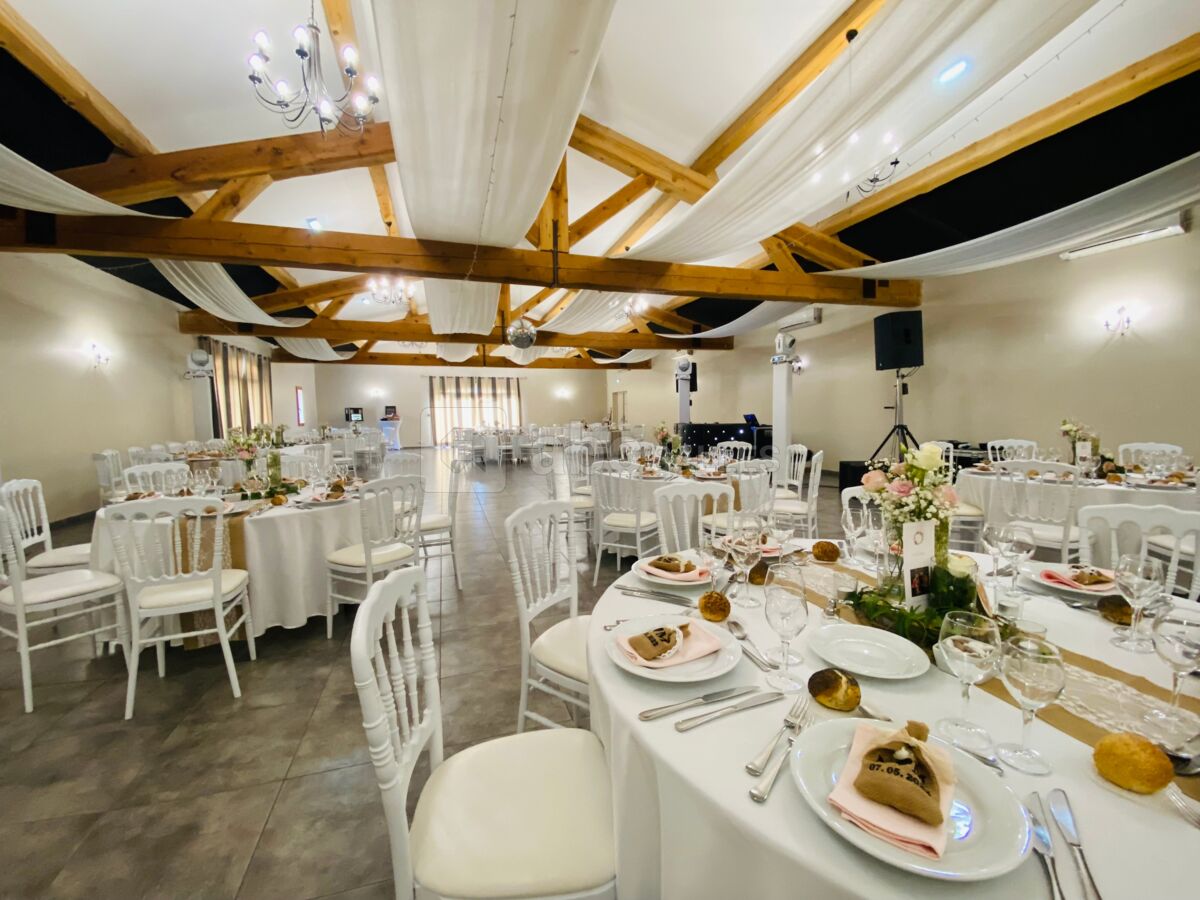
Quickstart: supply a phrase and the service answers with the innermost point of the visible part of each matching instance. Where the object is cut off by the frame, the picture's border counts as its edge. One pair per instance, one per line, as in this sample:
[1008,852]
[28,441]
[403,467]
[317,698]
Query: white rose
[927,457]
[960,566]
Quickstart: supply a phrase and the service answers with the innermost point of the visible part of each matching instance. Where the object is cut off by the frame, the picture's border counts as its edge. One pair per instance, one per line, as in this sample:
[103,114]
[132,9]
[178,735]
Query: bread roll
[825,551]
[835,689]
[1131,762]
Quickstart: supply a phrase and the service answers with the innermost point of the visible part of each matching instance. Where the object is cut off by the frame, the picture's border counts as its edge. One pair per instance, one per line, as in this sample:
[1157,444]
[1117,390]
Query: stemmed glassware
[1140,581]
[745,550]
[875,532]
[990,536]
[854,523]
[1017,544]
[1034,674]
[1176,636]
[970,646]
[779,532]
[787,613]
[713,553]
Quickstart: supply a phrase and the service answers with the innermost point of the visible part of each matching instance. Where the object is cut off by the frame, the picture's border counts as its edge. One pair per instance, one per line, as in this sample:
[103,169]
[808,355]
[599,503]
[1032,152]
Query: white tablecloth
[686,827]
[491,448]
[978,489]
[326,456]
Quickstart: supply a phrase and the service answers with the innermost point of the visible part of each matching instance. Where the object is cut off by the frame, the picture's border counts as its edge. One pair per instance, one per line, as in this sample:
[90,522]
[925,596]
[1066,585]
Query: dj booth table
[706,434]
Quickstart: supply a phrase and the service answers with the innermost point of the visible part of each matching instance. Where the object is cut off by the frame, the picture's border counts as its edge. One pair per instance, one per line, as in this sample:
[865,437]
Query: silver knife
[661,598]
[756,700]
[1043,843]
[658,712]
[1060,808]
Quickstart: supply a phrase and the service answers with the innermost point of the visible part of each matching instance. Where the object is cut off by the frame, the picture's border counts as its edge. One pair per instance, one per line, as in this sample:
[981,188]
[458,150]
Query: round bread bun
[714,606]
[825,551]
[278,500]
[1131,762]
[835,689]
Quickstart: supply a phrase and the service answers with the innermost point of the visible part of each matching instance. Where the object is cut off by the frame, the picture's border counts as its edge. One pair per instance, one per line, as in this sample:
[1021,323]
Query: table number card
[1083,450]
[917,569]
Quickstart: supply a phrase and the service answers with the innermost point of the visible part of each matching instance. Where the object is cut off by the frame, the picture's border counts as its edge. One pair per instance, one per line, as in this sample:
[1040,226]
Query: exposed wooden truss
[552,228]
[477,361]
[610,206]
[344,331]
[231,199]
[1131,82]
[235,242]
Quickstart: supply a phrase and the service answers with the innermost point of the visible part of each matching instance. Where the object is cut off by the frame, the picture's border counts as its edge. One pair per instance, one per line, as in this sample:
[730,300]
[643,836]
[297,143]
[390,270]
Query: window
[299,406]
[473,403]
[242,386]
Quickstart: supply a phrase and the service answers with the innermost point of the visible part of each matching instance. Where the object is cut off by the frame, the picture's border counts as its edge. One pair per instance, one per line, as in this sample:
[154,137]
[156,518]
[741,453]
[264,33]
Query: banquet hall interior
[593,449]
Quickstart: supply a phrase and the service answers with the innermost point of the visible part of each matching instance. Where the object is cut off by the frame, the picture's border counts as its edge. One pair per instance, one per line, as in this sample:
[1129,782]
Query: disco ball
[521,334]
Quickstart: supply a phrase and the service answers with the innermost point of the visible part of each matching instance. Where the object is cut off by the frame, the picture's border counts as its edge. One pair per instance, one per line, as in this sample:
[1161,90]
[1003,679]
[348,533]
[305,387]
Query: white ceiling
[672,74]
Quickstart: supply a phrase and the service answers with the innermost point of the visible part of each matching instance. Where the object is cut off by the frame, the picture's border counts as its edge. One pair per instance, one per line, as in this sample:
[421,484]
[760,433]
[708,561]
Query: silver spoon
[736,629]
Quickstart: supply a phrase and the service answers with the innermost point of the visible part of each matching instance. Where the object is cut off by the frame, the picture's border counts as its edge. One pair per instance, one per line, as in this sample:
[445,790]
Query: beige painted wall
[285,378]
[548,396]
[57,409]
[1008,353]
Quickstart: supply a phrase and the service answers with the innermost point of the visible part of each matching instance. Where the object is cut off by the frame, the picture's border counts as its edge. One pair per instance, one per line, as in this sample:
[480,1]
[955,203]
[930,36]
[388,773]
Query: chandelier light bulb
[372,284]
[350,56]
[282,88]
[325,108]
[257,63]
[362,105]
[372,85]
[301,36]
[261,41]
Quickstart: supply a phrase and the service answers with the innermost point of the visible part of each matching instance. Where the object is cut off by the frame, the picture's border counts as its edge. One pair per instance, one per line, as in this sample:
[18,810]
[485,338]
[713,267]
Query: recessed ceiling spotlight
[887,138]
[854,138]
[952,72]
[845,178]
[313,223]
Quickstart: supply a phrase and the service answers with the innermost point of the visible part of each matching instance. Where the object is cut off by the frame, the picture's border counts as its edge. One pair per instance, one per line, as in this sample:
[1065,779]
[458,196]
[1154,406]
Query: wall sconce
[563,393]
[100,356]
[1120,323]
[375,392]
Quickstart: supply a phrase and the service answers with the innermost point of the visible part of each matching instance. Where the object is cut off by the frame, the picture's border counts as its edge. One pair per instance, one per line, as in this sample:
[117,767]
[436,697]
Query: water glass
[970,646]
[1034,673]
[786,610]
[854,522]
[1016,545]
[1140,581]
[745,549]
[990,536]
[1176,636]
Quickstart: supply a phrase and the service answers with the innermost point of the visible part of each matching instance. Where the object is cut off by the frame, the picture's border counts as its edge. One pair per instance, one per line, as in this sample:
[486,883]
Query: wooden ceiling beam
[618,201]
[331,309]
[563,302]
[552,225]
[235,242]
[533,301]
[781,255]
[232,198]
[1176,61]
[383,197]
[478,361]
[671,320]
[627,155]
[292,298]
[344,331]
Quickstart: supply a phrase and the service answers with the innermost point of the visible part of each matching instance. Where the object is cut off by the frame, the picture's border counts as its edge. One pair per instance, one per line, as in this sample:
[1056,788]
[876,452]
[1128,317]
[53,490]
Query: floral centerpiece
[951,587]
[1075,431]
[241,446]
[916,489]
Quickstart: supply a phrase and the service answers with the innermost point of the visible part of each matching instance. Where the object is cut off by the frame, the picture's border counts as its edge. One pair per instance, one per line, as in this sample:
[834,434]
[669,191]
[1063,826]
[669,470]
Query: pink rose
[874,481]
[245,454]
[901,487]
[947,494]
[898,468]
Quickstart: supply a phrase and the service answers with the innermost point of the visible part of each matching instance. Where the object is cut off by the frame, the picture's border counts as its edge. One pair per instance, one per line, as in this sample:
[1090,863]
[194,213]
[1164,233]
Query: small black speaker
[898,341]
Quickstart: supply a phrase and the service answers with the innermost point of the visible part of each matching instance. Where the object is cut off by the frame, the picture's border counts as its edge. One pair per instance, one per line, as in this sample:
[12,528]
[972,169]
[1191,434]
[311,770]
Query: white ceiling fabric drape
[1166,190]
[210,287]
[455,352]
[26,185]
[630,356]
[882,94]
[313,348]
[589,311]
[764,314]
[482,99]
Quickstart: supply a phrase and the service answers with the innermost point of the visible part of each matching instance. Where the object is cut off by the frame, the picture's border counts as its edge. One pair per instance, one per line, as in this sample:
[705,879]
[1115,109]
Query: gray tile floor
[272,795]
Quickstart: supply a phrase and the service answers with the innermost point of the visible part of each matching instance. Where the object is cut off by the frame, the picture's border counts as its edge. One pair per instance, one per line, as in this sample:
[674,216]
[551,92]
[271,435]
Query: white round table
[687,828]
[977,489]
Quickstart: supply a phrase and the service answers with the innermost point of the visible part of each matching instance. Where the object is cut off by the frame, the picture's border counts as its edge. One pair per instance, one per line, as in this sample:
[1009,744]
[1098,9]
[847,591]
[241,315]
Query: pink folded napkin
[885,823]
[700,573]
[699,642]
[1052,577]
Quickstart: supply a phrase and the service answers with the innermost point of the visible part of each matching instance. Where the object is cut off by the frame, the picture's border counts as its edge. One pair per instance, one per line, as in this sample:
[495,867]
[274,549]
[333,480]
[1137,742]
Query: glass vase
[274,468]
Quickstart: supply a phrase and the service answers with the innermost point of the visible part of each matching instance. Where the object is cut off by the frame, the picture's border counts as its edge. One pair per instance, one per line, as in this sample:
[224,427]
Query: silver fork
[762,790]
[1181,803]
[759,763]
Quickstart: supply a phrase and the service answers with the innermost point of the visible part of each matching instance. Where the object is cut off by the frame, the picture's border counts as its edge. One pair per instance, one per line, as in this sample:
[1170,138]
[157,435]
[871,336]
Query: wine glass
[787,613]
[1017,545]
[779,531]
[876,535]
[853,525]
[990,536]
[713,553]
[1140,581]
[970,645]
[1033,671]
[745,549]
[1176,637]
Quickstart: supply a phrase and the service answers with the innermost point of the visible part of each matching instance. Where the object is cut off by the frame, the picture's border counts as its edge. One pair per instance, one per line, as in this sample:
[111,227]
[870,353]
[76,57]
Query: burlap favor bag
[900,770]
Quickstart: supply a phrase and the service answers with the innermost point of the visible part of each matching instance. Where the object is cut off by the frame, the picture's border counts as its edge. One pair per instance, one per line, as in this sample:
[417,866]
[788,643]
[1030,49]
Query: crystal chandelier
[294,103]
[391,292]
[879,177]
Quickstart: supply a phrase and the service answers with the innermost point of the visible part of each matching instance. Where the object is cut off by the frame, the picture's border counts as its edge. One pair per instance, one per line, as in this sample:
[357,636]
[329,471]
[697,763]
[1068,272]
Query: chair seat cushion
[629,520]
[563,647]
[719,520]
[162,596]
[584,489]
[435,522]
[528,815]
[76,556]
[583,502]
[355,556]
[792,507]
[1047,535]
[60,586]
[967,510]
[782,493]
[1168,542]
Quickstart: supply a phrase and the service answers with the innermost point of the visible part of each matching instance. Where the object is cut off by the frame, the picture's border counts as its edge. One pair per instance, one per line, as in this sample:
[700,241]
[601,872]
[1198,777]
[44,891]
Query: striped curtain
[473,402]
[241,386]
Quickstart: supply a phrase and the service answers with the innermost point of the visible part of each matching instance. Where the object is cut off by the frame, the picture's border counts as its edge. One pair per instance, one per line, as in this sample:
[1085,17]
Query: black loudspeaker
[898,341]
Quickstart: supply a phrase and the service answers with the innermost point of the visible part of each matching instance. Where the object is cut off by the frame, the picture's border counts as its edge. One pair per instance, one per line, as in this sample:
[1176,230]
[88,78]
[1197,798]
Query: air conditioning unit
[199,364]
[805,318]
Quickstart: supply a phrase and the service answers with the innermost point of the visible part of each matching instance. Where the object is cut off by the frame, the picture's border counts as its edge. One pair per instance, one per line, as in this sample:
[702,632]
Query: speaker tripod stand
[899,432]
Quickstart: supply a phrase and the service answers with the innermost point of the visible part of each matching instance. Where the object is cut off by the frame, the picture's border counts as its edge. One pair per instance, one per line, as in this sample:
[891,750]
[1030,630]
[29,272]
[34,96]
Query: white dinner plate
[312,503]
[1173,486]
[1033,572]
[989,830]
[645,573]
[712,666]
[869,651]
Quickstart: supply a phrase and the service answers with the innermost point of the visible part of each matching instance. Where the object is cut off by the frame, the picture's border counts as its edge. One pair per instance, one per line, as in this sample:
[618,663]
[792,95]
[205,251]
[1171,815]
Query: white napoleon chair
[768,467]
[215,444]
[752,491]
[172,557]
[577,459]
[795,465]
[583,506]
[1045,506]
[25,502]
[163,477]
[1011,448]
[29,603]
[541,557]
[528,815]
[436,536]
[689,511]
[137,455]
[739,451]
[630,450]
[802,513]
[966,522]
[1164,532]
[622,523]
[389,527]
[174,447]
[1126,452]
[856,494]
[192,446]
[109,474]
[303,466]
[402,462]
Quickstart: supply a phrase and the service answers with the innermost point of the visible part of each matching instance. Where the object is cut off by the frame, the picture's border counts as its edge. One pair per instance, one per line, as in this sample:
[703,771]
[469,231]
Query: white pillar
[781,409]
[202,410]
